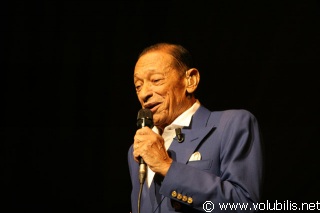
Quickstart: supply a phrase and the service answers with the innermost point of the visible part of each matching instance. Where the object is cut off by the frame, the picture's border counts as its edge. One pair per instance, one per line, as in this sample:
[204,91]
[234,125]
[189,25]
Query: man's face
[160,88]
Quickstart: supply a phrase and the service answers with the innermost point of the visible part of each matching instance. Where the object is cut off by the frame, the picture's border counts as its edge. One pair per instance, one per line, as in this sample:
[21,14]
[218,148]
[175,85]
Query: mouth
[152,106]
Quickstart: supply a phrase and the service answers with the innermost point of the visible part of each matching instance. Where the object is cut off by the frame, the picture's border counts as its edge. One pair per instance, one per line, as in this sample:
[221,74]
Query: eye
[138,87]
[156,80]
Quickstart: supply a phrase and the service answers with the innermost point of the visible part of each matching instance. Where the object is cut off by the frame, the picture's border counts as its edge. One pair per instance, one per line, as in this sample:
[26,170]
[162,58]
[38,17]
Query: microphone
[144,118]
[179,135]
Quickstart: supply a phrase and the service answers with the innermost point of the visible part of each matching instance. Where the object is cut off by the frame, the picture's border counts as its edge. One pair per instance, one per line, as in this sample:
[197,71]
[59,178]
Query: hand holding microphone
[149,146]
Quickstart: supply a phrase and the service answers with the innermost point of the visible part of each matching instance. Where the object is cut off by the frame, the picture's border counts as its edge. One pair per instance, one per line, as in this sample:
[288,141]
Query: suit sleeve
[241,168]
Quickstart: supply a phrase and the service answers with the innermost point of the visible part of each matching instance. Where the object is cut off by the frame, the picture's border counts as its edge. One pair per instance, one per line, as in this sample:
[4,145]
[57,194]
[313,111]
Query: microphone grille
[145,118]
[145,113]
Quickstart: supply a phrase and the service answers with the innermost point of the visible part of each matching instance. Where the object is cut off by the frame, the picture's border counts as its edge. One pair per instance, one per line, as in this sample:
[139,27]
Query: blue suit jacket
[230,170]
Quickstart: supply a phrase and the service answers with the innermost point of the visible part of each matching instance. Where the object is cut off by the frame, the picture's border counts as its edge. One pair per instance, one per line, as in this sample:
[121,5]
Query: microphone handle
[142,164]
[142,170]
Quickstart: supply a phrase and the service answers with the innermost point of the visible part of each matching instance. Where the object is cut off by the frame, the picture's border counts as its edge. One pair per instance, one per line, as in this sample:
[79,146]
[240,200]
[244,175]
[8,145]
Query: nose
[145,92]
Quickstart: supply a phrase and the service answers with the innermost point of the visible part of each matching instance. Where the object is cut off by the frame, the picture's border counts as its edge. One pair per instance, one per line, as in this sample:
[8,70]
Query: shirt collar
[182,120]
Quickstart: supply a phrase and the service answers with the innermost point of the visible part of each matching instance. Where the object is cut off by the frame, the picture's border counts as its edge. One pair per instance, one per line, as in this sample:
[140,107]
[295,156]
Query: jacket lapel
[193,136]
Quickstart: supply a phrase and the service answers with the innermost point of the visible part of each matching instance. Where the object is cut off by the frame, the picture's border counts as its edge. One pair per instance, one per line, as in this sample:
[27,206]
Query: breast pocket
[201,164]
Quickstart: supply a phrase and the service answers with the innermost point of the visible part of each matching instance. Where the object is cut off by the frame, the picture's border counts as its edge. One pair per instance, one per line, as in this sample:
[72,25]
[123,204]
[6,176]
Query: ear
[192,80]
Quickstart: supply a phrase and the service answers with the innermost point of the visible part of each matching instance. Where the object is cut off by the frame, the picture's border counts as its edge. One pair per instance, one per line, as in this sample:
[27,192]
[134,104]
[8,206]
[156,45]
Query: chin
[156,121]
[160,119]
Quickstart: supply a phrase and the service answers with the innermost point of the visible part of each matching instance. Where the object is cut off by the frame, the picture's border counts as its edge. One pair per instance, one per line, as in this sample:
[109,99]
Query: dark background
[69,106]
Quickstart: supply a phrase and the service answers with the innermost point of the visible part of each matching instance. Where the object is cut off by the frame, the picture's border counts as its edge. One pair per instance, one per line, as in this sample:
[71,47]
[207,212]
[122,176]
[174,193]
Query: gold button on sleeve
[190,200]
[184,198]
[179,196]
[174,194]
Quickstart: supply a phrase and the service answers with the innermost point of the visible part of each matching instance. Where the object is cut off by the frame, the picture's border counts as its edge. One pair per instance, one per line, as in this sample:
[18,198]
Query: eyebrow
[150,72]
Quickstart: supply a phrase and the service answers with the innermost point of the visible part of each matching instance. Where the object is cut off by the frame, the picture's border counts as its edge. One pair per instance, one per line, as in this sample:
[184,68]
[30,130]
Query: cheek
[171,96]
[177,94]
[140,101]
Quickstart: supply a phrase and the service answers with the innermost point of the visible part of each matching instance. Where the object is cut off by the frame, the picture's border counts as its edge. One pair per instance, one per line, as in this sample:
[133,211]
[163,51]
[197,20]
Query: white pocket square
[195,156]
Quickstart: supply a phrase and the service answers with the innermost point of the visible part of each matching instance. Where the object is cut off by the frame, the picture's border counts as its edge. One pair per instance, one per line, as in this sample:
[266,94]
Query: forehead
[156,61]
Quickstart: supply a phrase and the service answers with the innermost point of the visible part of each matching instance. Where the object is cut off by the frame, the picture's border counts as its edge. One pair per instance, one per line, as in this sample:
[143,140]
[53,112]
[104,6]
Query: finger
[160,147]
[143,131]
[136,140]
[136,155]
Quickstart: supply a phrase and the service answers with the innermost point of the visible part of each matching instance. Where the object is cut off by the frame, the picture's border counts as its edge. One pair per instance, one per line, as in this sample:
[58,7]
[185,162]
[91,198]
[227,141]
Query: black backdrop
[69,106]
